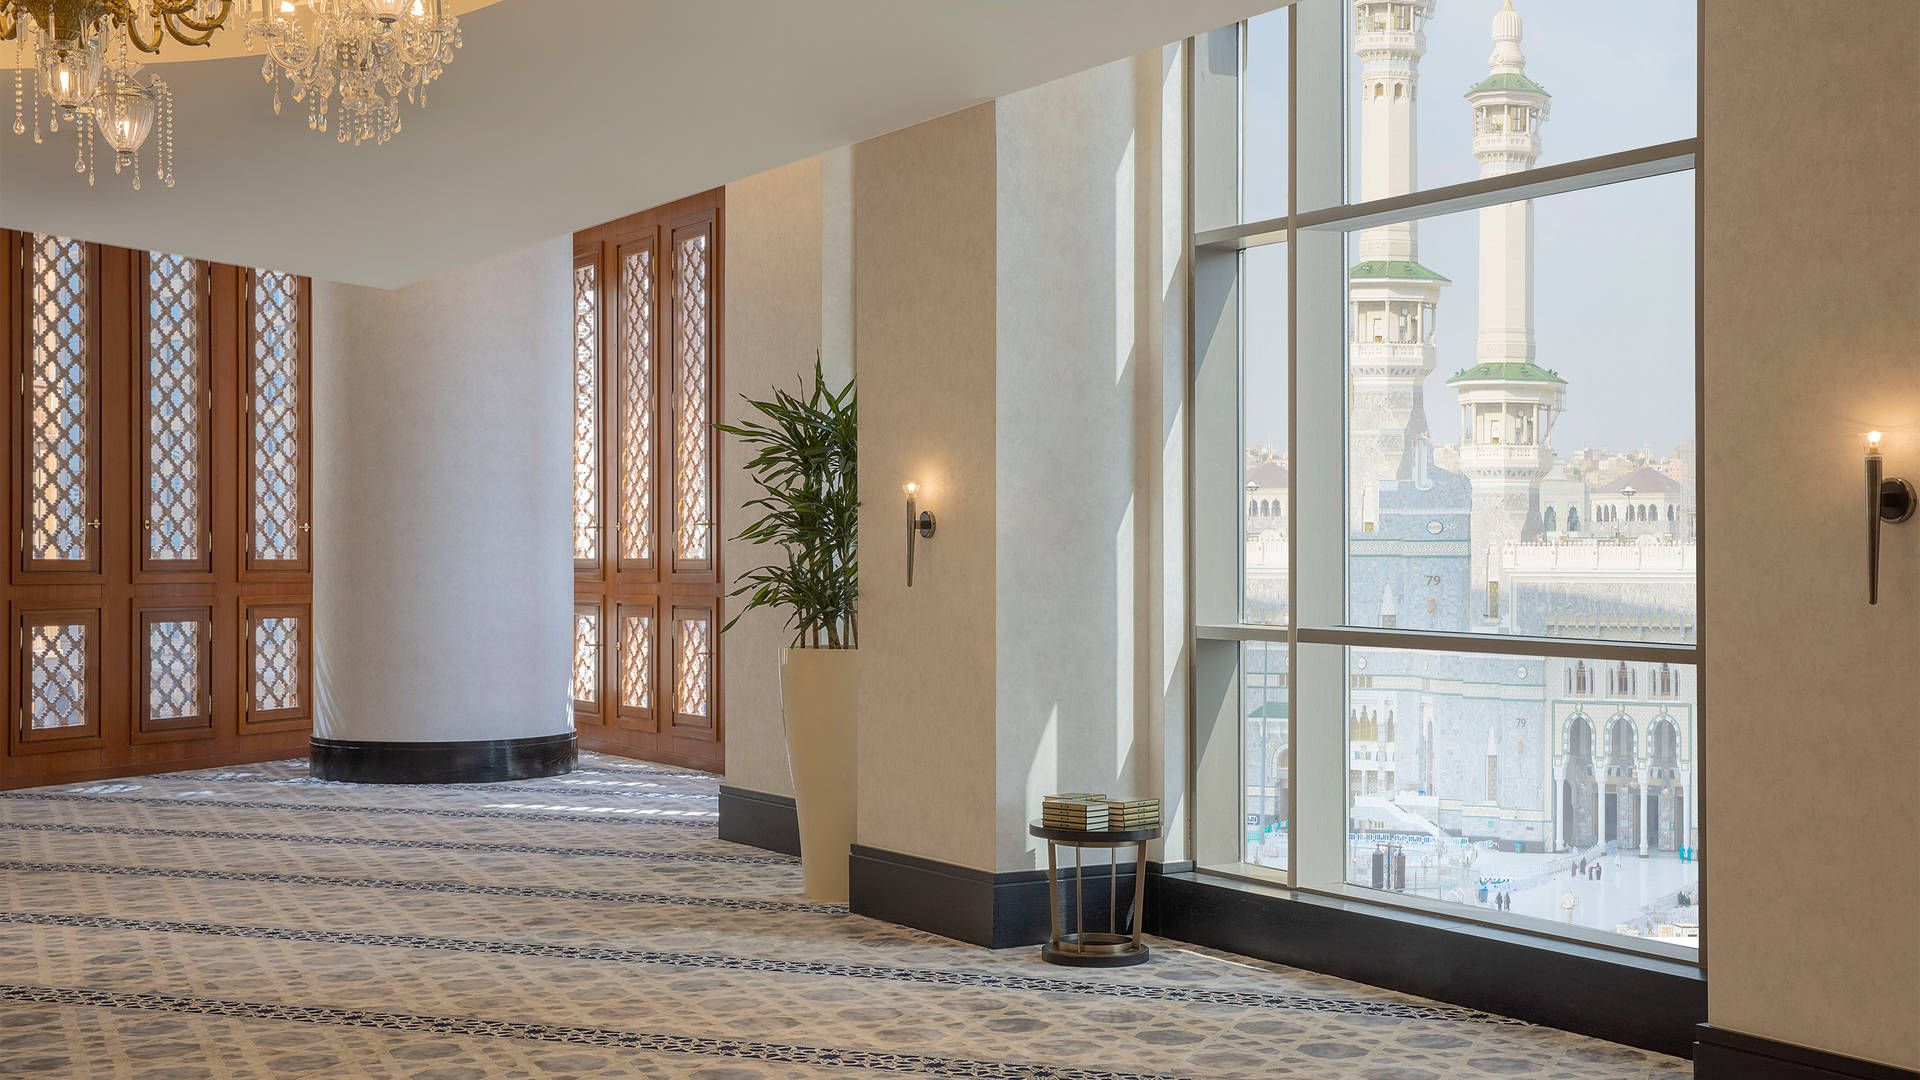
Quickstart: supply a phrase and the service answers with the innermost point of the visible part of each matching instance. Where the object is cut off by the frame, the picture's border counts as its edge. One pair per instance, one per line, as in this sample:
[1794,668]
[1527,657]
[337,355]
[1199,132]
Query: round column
[443,574]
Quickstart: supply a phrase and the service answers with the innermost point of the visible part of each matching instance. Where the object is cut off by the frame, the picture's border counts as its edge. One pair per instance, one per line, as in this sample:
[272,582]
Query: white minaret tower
[1507,402]
[1393,296]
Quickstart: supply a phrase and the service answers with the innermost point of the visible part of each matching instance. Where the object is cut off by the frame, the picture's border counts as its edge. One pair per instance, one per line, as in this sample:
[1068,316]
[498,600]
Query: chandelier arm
[189,39]
[185,18]
[133,33]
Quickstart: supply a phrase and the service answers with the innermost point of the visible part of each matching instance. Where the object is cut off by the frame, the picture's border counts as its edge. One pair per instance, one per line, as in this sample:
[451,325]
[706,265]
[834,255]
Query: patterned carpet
[253,922]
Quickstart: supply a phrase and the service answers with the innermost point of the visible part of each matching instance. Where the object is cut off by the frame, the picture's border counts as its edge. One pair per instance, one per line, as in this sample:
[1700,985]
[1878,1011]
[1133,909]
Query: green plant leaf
[805,463]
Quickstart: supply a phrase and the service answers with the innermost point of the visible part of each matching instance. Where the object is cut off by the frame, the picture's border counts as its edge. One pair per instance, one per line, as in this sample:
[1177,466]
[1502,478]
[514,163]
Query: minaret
[1393,296]
[1507,402]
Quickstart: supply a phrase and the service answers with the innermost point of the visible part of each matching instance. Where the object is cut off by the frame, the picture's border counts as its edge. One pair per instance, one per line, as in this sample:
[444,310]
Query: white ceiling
[560,114]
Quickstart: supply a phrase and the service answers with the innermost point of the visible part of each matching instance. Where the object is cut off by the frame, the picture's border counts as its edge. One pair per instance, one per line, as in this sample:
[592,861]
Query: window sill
[1525,927]
[1645,1001]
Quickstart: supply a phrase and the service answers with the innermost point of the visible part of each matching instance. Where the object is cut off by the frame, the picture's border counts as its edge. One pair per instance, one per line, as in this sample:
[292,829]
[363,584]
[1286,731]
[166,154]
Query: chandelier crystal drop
[367,53]
[76,53]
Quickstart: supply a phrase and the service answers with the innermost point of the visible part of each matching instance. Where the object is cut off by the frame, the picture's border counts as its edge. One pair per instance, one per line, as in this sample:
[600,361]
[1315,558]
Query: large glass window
[1456,668]
[1541,83]
[1481,780]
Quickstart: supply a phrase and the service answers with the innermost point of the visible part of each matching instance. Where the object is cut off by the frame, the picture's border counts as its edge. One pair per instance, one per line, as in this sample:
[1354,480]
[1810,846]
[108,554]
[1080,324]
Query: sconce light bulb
[911,489]
[1873,442]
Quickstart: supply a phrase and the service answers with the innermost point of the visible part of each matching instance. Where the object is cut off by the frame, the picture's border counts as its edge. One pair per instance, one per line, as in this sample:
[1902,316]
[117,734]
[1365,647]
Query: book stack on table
[1095,812]
[1132,813]
[1082,810]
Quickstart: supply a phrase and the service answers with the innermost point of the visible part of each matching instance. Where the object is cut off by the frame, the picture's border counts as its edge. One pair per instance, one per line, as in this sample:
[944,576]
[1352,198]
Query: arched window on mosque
[1621,681]
[1550,519]
[1666,743]
[1573,519]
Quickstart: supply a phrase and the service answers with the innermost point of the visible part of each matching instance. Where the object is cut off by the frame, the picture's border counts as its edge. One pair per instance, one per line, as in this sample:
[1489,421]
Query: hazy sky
[1613,283]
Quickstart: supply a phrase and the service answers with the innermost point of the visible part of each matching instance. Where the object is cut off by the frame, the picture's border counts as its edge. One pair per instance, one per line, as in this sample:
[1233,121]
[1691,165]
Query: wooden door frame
[298,569]
[300,609]
[123,593]
[664,582]
[26,569]
[145,729]
[147,570]
[91,736]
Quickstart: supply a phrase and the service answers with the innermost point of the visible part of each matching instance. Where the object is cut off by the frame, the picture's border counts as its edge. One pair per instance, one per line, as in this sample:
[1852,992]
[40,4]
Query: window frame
[253,568]
[24,739]
[592,567]
[686,229]
[147,568]
[252,610]
[1317,753]
[28,569]
[147,729]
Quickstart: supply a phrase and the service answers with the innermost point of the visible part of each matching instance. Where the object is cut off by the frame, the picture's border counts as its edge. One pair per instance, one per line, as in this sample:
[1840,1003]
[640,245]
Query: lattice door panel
[693,382]
[695,651]
[638,652]
[174,403]
[586,416]
[637,377]
[175,648]
[57,675]
[587,652]
[277,674]
[648,339]
[276,426]
[60,410]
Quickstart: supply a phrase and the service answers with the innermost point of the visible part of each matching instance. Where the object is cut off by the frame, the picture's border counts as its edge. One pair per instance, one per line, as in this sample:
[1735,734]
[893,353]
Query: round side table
[1082,947]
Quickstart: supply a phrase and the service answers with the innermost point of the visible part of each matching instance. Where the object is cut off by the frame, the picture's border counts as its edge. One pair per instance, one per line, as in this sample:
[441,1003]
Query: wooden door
[158,483]
[647,567]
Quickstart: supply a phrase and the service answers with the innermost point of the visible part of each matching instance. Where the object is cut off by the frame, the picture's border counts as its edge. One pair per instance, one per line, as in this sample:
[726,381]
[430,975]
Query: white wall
[1086,668]
[774,311]
[442,581]
[1020,339]
[1812,144]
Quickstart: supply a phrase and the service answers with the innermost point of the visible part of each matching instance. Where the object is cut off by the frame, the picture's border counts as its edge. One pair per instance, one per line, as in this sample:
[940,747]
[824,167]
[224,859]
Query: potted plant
[804,462]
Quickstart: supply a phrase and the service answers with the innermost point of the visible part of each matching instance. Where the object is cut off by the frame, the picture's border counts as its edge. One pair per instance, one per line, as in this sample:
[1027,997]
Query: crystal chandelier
[369,52]
[77,53]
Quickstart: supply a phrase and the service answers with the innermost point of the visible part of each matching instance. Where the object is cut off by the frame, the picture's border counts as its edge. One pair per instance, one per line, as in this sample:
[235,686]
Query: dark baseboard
[998,910]
[1640,1001]
[760,820]
[1719,1054]
[479,762]
[1621,997]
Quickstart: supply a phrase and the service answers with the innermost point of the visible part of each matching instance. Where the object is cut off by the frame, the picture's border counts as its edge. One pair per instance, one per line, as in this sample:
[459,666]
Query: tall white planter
[817,702]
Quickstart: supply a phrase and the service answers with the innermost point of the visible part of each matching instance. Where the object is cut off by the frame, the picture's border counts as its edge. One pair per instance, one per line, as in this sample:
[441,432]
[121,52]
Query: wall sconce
[919,524]
[1889,499]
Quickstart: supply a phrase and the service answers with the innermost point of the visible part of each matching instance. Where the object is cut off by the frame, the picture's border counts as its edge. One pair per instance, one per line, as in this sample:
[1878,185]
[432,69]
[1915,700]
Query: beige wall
[1083,672]
[1020,337]
[1812,147]
[836,262]
[442,583]
[924,335]
[773,269]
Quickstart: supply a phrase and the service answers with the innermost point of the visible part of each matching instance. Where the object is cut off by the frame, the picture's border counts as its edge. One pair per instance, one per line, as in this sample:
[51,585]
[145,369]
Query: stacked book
[1095,812]
[1083,810]
[1132,813]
